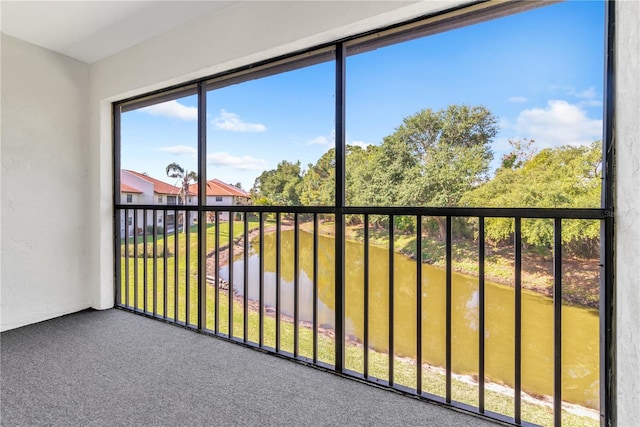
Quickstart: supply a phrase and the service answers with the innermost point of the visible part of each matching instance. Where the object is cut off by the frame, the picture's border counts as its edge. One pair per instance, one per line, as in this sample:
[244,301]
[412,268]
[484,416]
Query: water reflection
[580,353]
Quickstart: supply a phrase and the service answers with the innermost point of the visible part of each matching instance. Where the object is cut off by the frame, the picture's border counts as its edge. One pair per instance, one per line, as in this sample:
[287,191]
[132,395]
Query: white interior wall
[627,215]
[44,184]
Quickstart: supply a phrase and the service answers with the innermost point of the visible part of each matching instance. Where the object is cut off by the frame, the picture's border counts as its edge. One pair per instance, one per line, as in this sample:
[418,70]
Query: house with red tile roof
[138,188]
[219,193]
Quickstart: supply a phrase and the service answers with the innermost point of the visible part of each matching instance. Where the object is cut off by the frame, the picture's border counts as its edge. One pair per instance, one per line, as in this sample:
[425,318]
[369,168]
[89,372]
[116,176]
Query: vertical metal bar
[391,297]
[557,323]
[261,279]
[296,283]
[419,304]
[365,343]
[608,415]
[117,250]
[145,290]
[176,263]
[200,201]
[155,262]
[481,313]
[278,282]
[315,287]
[187,269]
[517,398]
[117,247]
[135,259]
[165,265]
[245,256]
[230,264]
[448,285]
[217,274]
[126,257]
[340,146]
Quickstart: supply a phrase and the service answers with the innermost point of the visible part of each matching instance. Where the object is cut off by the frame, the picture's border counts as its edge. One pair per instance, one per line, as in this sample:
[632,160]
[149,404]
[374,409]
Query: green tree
[435,157]
[562,177]
[317,187]
[279,186]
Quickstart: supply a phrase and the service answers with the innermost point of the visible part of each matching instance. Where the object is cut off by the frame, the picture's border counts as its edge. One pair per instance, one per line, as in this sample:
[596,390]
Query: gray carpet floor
[116,368]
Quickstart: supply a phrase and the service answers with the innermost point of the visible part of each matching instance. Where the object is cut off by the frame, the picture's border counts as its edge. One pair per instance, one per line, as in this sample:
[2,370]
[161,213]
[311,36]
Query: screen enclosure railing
[279,279]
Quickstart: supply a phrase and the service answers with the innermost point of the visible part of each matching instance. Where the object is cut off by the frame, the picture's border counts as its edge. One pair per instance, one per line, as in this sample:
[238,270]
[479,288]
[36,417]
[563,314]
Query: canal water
[580,339]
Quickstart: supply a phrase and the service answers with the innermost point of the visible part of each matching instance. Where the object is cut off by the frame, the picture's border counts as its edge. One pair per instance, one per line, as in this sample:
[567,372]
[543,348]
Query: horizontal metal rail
[532,213]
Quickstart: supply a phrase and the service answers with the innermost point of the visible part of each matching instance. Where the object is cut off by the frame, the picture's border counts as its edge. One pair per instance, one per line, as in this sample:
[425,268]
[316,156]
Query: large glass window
[270,132]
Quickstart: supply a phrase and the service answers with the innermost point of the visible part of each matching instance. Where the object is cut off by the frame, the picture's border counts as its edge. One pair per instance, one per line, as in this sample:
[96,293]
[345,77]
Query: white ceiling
[92,30]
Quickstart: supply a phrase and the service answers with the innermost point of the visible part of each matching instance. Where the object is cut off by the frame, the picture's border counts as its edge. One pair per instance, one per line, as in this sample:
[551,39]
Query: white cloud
[590,103]
[179,150]
[518,99]
[172,109]
[320,140]
[232,122]
[559,123]
[361,144]
[224,159]
[588,93]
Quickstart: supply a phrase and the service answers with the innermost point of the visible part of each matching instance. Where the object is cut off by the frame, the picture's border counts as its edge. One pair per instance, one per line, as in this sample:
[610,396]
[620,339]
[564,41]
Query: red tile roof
[124,188]
[215,187]
[159,187]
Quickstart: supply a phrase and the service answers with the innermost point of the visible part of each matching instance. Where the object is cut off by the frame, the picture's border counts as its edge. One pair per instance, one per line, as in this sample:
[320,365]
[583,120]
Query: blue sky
[539,72]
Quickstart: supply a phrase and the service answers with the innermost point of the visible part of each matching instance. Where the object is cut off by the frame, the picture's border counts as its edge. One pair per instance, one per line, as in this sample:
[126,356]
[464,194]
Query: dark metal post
[245,258]
[481,310]
[261,279]
[296,284]
[608,393]
[517,398]
[135,259]
[339,205]
[231,284]
[315,288]
[187,261]
[419,305]
[557,323]
[365,346]
[201,198]
[278,271]
[216,275]
[391,297]
[448,285]
[117,244]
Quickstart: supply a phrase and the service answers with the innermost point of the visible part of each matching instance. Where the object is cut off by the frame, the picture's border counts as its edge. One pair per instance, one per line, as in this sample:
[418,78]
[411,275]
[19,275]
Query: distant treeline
[441,159]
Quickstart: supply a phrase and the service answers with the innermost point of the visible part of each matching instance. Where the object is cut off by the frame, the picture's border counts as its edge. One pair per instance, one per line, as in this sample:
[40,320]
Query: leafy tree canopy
[279,186]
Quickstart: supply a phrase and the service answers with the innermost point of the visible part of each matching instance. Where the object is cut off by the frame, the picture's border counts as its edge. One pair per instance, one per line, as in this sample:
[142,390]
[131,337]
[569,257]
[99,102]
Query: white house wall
[45,170]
